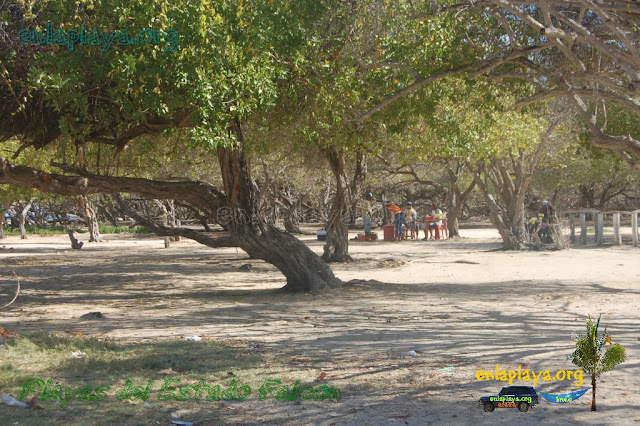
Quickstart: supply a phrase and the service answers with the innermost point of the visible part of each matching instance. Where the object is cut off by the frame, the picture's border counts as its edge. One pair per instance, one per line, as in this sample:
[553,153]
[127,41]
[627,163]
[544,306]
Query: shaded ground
[496,308]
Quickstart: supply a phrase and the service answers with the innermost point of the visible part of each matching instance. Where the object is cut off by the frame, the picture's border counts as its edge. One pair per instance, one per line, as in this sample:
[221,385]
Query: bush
[58,230]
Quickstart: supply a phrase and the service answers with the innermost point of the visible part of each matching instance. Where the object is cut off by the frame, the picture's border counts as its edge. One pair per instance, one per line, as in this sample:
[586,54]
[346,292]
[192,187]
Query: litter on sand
[12,402]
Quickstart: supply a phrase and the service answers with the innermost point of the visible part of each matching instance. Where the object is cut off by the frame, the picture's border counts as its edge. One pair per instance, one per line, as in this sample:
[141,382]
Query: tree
[583,175]
[587,177]
[227,68]
[90,217]
[585,50]
[499,148]
[446,174]
[591,356]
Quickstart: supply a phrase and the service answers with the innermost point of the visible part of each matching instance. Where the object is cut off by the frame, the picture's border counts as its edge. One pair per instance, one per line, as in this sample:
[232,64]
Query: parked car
[522,397]
[73,217]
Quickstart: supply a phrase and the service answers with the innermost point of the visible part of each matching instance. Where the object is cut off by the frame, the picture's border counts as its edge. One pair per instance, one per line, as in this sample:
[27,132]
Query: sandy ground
[458,303]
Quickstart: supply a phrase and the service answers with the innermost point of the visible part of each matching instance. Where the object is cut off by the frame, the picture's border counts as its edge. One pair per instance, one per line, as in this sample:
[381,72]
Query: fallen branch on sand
[17,292]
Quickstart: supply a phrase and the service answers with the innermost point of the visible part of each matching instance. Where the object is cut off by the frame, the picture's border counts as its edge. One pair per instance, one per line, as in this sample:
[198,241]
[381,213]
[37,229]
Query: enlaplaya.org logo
[95,37]
[527,375]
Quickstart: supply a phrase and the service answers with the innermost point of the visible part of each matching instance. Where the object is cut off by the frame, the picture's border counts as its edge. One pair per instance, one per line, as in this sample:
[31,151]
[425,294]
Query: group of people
[541,225]
[404,219]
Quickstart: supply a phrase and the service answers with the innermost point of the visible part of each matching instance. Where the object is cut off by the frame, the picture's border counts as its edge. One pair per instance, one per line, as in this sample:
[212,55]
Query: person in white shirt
[411,219]
[432,224]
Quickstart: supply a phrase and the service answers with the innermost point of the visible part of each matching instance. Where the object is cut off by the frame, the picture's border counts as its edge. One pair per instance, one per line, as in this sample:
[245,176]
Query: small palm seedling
[590,354]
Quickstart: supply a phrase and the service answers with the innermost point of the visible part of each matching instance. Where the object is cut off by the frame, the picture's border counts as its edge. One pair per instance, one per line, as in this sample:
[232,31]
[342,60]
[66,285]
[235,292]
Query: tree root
[17,292]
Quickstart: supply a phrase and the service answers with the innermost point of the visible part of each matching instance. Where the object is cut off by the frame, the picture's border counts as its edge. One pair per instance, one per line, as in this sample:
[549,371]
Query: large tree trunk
[304,270]
[336,249]
[458,197]
[357,183]
[90,218]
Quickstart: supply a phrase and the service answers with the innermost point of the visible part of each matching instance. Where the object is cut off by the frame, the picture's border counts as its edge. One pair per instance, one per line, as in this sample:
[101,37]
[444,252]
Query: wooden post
[634,227]
[583,229]
[572,225]
[599,227]
[617,237]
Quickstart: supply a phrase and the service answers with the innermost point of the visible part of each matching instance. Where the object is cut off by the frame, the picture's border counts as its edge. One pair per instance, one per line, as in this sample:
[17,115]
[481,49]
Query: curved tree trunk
[304,270]
[90,218]
[22,218]
[336,249]
[237,207]
[291,220]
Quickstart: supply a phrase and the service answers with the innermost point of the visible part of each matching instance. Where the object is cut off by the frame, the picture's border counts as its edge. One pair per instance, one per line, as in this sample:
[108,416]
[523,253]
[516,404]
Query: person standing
[398,219]
[367,213]
[546,218]
[411,219]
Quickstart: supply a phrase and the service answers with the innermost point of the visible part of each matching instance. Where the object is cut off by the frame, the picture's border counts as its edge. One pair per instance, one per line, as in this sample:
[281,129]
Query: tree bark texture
[22,218]
[357,183]
[507,206]
[336,249]
[304,270]
[457,195]
[90,218]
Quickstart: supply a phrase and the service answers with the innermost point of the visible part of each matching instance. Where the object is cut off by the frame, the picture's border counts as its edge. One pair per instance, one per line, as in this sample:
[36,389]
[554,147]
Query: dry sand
[458,303]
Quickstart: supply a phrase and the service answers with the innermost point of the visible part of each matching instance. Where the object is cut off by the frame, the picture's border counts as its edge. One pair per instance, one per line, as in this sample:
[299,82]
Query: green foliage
[590,353]
[58,230]
[43,355]
[592,357]
[470,122]
[584,170]
[43,232]
[229,58]
[110,229]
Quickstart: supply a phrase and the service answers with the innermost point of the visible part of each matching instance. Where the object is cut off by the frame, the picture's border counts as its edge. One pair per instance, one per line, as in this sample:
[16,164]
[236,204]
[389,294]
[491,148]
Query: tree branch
[200,194]
[210,239]
[479,67]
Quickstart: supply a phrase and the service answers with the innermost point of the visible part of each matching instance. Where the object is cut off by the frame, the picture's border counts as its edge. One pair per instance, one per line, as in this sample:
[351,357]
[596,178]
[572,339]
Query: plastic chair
[441,228]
